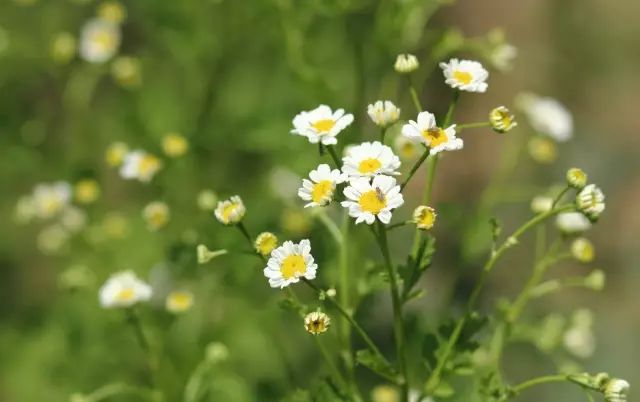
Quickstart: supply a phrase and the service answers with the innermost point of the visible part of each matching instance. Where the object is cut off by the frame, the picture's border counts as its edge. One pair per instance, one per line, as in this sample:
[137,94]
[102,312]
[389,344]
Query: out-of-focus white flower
[124,289]
[230,211]
[174,145]
[49,199]
[140,165]
[316,322]
[86,191]
[370,159]
[580,341]
[112,11]
[99,40]
[616,390]
[289,263]
[368,200]
[24,209]
[542,149]
[319,190]
[572,223]
[63,47]
[582,250]
[541,204]
[590,201]
[547,116]
[405,148]
[156,214]
[321,124]
[73,219]
[179,301]
[207,200]
[503,56]
[502,120]
[426,131]
[465,75]
[126,71]
[116,153]
[383,113]
[51,239]
[424,217]
[406,63]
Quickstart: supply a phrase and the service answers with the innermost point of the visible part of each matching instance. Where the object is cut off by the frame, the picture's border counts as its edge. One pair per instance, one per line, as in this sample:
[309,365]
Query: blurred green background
[230,75]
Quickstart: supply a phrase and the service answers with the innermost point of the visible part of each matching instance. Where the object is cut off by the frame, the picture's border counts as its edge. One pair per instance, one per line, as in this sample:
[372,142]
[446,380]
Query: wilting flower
[124,289]
[205,255]
[174,145]
[289,263]
[406,63]
[576,178]
[368,200]
[321,124]
[319,190]
[502,120]
[230,211]
[179,301]
[99,40]
[49,199]
[547,116]
[383,113]
[425,131]
[86,191]
[542,150]
[541,204]
[126,71]
[616,390]
[207,200]
[140,165]
[424,217]
[317,322]
[590,201]
[156,214]
[116,153]
[465,75]
[265,243]
[112,11]
[63,47]
[370,159]
[572,223]
[582,250]
[405,148]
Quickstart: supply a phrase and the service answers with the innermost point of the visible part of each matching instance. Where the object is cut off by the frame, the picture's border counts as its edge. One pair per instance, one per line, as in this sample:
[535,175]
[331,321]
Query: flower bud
[406,63]
[590,202]
[317,322]
[502,120]
[424,217]
[576,178]
[205,255]
[230,211]
[541,204]
[265,243]
[616,390]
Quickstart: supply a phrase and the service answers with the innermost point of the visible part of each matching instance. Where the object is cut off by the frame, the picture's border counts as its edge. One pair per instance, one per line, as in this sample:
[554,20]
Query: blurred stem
[383,133]
[398,320]
[363,334]
[414,95]
[134,321]
[415,168]
[559,197]
[334,156]
[110,390]
[434,378]
[332,228]
[537,381]
[247,235]
[345,297]
[461,127]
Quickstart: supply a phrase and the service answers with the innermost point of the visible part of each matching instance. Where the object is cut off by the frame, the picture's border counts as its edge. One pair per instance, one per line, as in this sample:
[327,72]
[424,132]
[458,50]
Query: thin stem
[334,156]
[460,127]
[329,360]
[434,378]
[398,225]
[110,390]
[136,325]
[383,133]
[539,380]
[560,195]
[415,168]
[414,96]
[345,298]
[249,238]
[331,226]
[398,321]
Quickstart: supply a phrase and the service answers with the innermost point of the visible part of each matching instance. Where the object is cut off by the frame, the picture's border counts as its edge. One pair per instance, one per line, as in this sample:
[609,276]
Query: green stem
[398,320]
[383,133]
[334,156]
[414,96]
[331,226]
[247,236]
[434,378]
[330,363]
[461,127]
[559,196]
[136,325]
[537,381]
[398,225]
[345,298]
[110,390]
[415,168]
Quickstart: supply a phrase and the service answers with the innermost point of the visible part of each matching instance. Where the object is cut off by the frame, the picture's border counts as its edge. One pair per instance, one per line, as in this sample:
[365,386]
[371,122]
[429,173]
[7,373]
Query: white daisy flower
[230,211]
[547,116]
[383,113]
[406,148]
[316,322]
[319,190]
[124,289]
[406,63]
[425,131]
[616,390]
[99,40]
[368,200]
[321,124]
[49,199]
[140,165]
[290,262]
[541,204]
[465,75]
[370,159]
[572,223]
[156,214]
[590,201]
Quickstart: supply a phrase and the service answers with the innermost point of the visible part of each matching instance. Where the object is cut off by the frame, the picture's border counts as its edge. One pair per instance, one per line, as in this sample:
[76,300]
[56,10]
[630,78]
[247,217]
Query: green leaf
[412,271]
[376,364]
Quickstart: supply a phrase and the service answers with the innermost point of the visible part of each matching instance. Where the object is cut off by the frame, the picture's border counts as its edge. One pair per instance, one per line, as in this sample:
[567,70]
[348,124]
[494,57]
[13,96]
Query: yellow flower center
[462,77]
[316,326]
[157,218]
[125,295]
[180,301]
[293,266]
[426,219]
[228,210]
[435,136]
[370,165]
[148,164]
[104,40]
[372,201]
[322,190]
[51,204]
[324,125]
